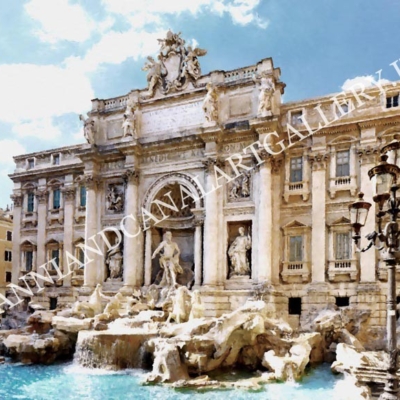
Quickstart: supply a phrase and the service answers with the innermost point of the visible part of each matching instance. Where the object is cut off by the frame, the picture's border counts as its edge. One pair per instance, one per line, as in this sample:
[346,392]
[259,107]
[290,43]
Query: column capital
[211,162]
[318,161]
[368,155]
[91,181]
[69,193]
[17,200]
[131,175]
[41,195]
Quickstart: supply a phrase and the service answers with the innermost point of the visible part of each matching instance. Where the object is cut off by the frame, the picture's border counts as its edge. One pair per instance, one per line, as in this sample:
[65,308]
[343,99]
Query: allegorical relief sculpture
[129,124]
[210,105]
[115,198]
[240,187]
[169,260]
[114,262]
[267,88]
[176,65]
[237,253]
[88,129]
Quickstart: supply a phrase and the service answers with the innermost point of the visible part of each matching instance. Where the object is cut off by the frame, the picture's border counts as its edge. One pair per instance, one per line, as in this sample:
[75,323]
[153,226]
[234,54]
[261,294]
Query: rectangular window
[296,169]
[345,109]
[28,260]
[294,305]
[342,301]
[55,254]
[343,163]
[31,163]
[8,256]
[30,202]
[81,256]
[296,117]
[9,236]
[56,159]
[82,196]
[392,101]
[8,277]
[296,248]
[343,246]
[56,199]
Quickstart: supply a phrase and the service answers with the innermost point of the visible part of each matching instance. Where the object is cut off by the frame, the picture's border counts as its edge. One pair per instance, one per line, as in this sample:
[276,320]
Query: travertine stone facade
[6,247]
[293,204]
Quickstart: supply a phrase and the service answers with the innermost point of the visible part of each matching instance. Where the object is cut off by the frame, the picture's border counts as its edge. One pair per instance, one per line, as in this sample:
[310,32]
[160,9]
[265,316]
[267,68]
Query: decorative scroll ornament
[176,65]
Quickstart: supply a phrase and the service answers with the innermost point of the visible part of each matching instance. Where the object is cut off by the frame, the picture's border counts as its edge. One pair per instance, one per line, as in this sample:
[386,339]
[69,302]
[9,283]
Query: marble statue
[180,305]
[129,124]
[240,187]
[197,310]
[114,306]
[93,307]
[156,71]
[237,253]
[114,261]
[115,200]
[191,65]
[210,104]
[267,88]
[169,260]
[88,129]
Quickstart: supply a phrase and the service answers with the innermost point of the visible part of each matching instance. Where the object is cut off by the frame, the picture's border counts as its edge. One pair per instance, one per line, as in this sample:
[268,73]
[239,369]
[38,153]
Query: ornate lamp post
[384,177]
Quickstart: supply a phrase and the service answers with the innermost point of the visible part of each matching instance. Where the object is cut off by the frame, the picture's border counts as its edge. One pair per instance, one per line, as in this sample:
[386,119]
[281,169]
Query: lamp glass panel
[382,183]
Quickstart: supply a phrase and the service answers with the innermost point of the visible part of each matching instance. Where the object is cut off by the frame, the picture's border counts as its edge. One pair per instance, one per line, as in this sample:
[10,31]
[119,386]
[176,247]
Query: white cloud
[32,91]
[43,129]
[364,80]
[8,149]
[60,20]
[242,12]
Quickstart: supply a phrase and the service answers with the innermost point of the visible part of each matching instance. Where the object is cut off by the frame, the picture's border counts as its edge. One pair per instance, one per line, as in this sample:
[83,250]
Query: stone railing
[296,188]
[242,73]
[295,271]
[342,183]
[342,270]
[115,103]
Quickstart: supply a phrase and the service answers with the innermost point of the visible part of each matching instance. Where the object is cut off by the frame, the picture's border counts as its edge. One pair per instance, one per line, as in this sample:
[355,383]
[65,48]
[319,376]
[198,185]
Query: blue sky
[56,55]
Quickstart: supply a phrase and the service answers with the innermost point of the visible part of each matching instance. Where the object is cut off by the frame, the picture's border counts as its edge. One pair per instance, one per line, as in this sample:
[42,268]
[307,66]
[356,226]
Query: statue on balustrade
[210,104]
[88,129]
[114,261]
[169,260]
[129,124]
[237,253]
[267,88]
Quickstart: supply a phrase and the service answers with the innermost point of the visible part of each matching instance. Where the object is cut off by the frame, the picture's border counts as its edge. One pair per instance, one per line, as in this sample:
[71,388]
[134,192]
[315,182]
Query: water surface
[70,382]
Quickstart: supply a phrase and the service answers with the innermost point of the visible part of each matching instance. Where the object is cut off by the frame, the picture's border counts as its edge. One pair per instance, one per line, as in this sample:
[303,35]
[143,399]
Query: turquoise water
[70,382]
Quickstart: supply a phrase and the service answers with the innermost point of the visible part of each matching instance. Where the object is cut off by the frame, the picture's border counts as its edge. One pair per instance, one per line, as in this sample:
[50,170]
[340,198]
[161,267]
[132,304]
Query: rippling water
[68,381]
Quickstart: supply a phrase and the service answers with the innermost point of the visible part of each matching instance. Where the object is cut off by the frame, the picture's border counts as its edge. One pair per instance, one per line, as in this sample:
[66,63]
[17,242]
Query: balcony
[295,272]
[296,188]
[55,216]
[342,183]
[342,270]
[29,219]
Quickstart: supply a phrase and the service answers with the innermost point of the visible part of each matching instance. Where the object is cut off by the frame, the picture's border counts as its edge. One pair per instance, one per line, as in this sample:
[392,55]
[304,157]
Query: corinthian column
[198,250]
[318,233]
[90,272]
[211,228]
[69,205]
[16,243]
[133,266]
[41,198]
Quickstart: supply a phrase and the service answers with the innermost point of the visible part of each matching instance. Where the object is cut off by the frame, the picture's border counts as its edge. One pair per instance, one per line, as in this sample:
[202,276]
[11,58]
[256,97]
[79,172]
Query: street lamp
[384,177]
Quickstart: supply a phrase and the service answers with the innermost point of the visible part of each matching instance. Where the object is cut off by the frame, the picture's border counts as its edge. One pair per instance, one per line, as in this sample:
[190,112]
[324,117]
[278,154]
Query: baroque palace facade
[281,228]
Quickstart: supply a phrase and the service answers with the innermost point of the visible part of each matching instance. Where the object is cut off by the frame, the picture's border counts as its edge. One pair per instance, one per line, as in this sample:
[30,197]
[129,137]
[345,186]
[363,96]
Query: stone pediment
[294,224]
[341,221]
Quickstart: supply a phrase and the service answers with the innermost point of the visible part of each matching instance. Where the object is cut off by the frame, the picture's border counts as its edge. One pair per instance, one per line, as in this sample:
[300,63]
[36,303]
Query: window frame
[30,195]
[56,206]
[293,171]
[9,236]
[340,165]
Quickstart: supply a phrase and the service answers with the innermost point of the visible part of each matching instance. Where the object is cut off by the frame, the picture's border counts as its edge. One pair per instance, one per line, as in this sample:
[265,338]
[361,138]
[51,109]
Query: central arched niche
[180,223]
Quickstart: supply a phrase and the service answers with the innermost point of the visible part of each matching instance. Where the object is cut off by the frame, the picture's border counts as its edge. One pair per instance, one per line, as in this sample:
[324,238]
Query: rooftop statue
[88,128]
[176,67]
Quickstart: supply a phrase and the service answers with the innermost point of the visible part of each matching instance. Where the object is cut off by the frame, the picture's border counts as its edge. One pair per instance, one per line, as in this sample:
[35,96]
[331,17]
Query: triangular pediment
[342,220]
[294,224]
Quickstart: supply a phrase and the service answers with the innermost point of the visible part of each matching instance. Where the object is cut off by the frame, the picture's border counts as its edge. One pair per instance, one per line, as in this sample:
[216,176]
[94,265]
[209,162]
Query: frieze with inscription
[162,158]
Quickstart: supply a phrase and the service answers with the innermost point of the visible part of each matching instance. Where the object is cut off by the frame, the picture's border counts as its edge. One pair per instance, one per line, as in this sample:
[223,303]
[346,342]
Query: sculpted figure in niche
[88,129]
[237,253]
[156,71]
[114,261]
[240,187]
[191,65]
[267,88]
[210,104]
[169,260]
[129,124]
[115,199]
